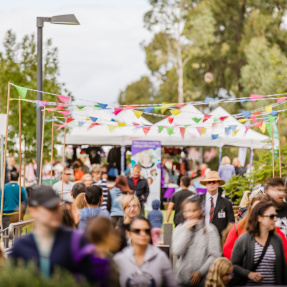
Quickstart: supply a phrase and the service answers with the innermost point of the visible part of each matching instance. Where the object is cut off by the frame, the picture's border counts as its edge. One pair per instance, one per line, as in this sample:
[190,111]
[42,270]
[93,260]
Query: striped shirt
[267,266]
[103,184]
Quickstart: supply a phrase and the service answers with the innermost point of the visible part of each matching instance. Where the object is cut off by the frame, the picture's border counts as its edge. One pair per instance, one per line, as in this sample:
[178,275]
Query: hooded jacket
[155,216]
[155,270]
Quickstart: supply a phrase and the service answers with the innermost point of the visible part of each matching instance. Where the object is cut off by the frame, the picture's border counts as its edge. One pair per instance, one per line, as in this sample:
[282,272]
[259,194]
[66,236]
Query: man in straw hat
[218,210]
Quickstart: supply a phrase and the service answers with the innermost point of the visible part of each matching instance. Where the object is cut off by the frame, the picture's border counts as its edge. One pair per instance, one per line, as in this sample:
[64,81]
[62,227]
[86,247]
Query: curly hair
[218,269]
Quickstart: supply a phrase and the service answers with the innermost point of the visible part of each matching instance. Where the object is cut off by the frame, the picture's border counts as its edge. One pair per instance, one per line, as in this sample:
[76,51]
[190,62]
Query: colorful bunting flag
[160,128]
[94,119]
[22,92]
[214,137]
[69,120]
[246,129]
[197,120]
[136,124]
[156,109]
[111,128]
[64,99]
[103,106]
[148,110]
[235,132]
[179,106]
[223,118]
[170,120]
[65,113]
[138,113]
[269,129]
[271,118]
[253,118]
[61,126]
[81,107]
[130,107]
[203,130]
[233,127]
[282,99]
[245,114]
[121,124]
[146,129]
[175,112]
[259,125]
[273,113]
[206,117]
[182,131]
[199,130]
[255,97]
[268,109]
[243,120]
[41,104]
[227,130]
[165,106]
[117,111]
[170,130]
[263,128]
[81,123]
[92,125]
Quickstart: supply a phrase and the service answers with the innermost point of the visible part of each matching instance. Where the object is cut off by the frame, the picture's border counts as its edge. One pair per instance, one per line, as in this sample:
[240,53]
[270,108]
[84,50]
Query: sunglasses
[138,231]
[67,173]
[212,181]
[271,216]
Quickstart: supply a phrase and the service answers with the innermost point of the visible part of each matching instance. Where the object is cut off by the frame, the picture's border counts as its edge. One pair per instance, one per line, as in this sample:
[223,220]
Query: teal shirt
[11,197]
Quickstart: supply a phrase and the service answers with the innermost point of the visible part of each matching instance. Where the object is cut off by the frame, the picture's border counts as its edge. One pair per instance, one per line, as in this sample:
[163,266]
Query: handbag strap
[255,265]
[236,230]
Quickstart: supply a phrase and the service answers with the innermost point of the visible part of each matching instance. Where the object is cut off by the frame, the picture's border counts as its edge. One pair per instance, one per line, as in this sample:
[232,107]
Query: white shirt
[208,205]
[67,187]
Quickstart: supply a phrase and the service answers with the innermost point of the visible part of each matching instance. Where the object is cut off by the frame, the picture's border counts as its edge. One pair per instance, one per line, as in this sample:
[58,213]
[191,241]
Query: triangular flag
[21,91]
[235,132]
[130,107]
[138,113]
[92,125]
[282,99]
[197,120]
[97,106]
[257,114]
[169,130]
[268,109]
[94,119]
[70,120]
[170,120]
[117,110]
[206,117]
[165,106]
[65,113]
[156,109]
[175,112]
[259,125]
[253,118]
[199,130]
[214,137]
[182,131]
[247,128]
[103,106]
[160,128]
[148,110]
[136,124]
[255,97]
[263,128]
[81,123]
[269,129]
[81,107]
[88,119]
[227,130]
[273,113]
[245,114]
[121,124]
[64,99]
[179,106]
[223,118]
[111,128]
[233,127]
[61,126]
[146,129]
[271,119]
[203,130]
[186,126]
[243,120]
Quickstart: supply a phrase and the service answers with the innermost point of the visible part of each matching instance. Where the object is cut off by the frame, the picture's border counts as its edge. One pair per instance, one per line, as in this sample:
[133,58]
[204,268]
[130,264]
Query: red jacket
[232,237]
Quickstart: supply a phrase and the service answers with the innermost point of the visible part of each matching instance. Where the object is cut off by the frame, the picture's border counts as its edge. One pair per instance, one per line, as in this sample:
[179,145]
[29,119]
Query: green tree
[18,64]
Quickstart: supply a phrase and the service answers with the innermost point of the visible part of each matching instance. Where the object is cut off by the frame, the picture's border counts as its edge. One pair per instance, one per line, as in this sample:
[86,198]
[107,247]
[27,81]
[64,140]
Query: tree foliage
[18,64]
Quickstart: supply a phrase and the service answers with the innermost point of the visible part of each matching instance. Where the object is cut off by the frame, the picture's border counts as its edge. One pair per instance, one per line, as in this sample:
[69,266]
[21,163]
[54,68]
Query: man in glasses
[66,184]
[218,210]
[276,191]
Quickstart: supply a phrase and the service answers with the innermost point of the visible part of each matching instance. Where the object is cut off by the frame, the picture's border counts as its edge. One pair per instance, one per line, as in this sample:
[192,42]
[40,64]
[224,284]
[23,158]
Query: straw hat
[212,176]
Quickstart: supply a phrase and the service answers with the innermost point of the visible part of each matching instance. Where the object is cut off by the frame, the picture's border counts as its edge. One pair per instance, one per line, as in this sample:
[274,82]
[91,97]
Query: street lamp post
[69,19]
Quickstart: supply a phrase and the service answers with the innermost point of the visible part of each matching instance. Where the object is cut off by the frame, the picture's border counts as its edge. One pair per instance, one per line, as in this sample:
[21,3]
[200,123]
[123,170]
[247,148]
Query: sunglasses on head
[212,181]
[271,216]
[138,231]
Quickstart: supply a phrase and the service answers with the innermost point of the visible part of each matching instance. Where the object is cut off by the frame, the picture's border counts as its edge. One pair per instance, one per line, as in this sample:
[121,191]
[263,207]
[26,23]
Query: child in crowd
[78,173]
[155,219]
[219,273]
[104,172]
[196,245]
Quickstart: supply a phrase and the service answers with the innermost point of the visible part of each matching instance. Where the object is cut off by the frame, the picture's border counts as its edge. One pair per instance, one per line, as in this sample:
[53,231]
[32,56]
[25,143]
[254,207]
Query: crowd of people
[103,234]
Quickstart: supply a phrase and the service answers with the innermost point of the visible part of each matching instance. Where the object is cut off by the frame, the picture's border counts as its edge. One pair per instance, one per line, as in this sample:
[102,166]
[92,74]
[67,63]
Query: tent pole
[220,155]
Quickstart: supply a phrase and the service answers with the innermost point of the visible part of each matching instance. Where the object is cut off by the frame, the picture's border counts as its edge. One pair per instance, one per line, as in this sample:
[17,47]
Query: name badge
[221,214]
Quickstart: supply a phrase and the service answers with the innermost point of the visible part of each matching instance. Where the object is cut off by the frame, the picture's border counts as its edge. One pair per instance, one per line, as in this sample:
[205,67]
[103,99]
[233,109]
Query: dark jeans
[142,213]
[115,220]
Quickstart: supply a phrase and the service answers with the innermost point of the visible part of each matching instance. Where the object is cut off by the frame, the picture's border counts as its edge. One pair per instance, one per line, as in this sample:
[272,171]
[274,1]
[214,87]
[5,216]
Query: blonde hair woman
[80,201]
[219,273]
[226,170]
[131,208]
[87,180]
[239,170]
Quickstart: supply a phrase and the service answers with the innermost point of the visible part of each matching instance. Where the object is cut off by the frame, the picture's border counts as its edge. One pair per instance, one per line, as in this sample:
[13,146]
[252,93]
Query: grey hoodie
[196,248]
[155,271]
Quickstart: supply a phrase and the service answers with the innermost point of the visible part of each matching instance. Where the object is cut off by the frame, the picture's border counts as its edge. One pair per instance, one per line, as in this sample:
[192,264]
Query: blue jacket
[116,209]
[155,216]
[11,197]
[87,213]
[69,251]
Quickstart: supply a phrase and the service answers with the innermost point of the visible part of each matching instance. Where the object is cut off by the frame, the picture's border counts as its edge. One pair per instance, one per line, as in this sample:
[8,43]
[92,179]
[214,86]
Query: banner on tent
[148,155]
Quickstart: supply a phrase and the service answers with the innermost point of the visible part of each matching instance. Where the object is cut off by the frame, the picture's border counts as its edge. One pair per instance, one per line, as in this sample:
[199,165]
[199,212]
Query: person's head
[149,180]
[104,168]
[96,173]
[78,188]
[14,176]
[212,182]
[94,195]
[191,208]
[66,175]
[80,201]
[76,166]
[122,183]
[87,180]
[155,204]
[236,162]
[136,171]
[101,233]
[225,160]
[276,190]
[185,182]
[140,231]
[68,218]
[220,273]
[163,160]
[131,205]
[44,207]
[263,217]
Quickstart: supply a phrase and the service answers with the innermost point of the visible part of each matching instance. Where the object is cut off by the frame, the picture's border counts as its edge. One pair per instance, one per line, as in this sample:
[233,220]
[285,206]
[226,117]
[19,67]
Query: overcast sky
[99,57]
